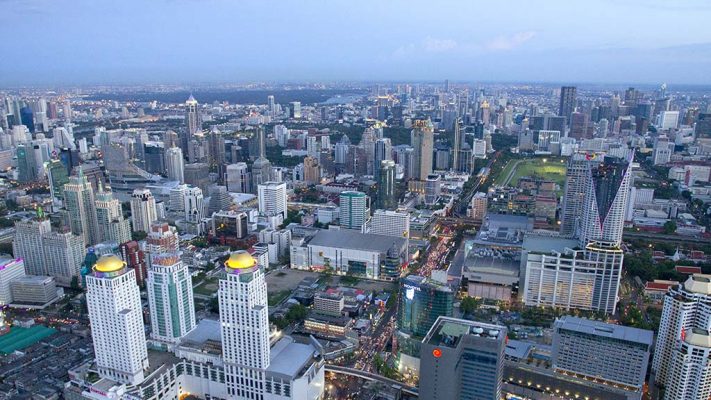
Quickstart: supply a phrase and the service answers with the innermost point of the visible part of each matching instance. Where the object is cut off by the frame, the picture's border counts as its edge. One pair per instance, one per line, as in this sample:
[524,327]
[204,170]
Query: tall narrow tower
[116,316]
[80,203]
[192,116]
[245,326]
[170,296]
[422,140]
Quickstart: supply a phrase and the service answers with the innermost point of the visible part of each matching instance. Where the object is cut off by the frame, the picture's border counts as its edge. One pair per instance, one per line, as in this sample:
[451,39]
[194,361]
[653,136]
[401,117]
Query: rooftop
[447,331]
[288,357]
[698,283]
[603,329]
[355,240]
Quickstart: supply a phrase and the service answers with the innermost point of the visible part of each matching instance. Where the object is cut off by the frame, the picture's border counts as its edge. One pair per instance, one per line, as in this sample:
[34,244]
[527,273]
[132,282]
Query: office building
[686,307]
[109,216]
[175,164]
[143,210]
[568,102]
[668,120]
[33,291]
[422,141]
[228,226]
[170,298]
[421,301]
[237,179]
[477,207]
[386,197]
[354,210]
[81,208]
[193,205]
[576,183]
[312,171]
[463,359]
[295,109]
[197,174]
[459,140]
[28,245]
[10,270]
[63,256]
[610,354]
[390,223]
[433,189]
[272,198]
[57,177]
[116,316]
[193,122]
[261,168]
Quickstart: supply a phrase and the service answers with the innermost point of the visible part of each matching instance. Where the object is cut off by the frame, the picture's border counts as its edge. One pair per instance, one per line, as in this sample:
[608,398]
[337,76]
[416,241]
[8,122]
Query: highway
[371,377]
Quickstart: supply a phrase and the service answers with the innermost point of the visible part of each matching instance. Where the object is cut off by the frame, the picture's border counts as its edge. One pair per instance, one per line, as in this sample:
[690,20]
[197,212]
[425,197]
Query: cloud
[510,42]
[427,45]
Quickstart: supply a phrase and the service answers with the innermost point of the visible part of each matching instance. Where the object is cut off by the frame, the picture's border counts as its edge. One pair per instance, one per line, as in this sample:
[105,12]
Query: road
[464,200]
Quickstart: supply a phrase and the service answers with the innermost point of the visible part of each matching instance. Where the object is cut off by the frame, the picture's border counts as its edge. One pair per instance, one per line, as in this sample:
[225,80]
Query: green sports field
[19,338]
[549,168]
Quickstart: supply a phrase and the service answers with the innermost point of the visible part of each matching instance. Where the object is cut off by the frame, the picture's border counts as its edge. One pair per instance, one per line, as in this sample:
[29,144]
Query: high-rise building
[606,196]
[170,298]
[109,215]
[422,141]
[295,109]
[237,179]
[390,223]
[28,244]
[463,359]
[197,174]
[686,307]
[272,198]
[216,151]
[175,164]
[420,302]
[10,269]
[57,176]
[162,238]
[193,121]
[386,185]
[610,354]
[354,210]
[143,210]
[433,189]
[244,321]
[116,315]
[63,256]
[576,178]
[81,208]
[26,163]
[261,168]
[459,140]
[135,260]
[568,100]
[312,170]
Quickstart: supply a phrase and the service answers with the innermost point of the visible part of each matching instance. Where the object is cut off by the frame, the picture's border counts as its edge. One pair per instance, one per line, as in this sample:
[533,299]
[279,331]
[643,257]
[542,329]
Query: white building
[175,164]
[116,314]
[237,178]
[668,120]
[10,269]
[176,201]
[272,198]
[390,223]
[691,367]
[143,210]
[170,298]
[686,307]
[354,210]
[663,150]
[193,205]
[28,244]
[63,254]
[109,216]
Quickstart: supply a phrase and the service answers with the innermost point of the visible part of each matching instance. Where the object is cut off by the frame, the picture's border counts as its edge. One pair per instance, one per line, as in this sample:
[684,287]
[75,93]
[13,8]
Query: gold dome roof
[109,263]
[240,260]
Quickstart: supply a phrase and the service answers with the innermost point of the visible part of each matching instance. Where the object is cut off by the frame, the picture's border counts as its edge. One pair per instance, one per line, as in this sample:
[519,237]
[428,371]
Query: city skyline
[172,41]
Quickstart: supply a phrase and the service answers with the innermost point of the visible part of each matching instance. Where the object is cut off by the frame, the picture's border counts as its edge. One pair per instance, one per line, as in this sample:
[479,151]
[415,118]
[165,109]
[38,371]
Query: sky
[193,41]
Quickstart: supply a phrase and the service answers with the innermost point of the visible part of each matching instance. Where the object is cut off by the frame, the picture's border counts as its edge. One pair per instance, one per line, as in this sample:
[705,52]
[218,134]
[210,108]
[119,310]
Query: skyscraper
[170,298]
[116,316]
[354,210]
[175,164]
[194,206]
[245,326]
[216,152]
[109,216]
[568,101]
[312,170]
[390,223]
[193,121]
[143,210]
[458,141]
[606,196]
[386,185]
[63,256]
[422,140]
[162,238]
[576,175]
[57,177]
[686,308]
[463,360]
[261,168]
[272,198]
[81,207]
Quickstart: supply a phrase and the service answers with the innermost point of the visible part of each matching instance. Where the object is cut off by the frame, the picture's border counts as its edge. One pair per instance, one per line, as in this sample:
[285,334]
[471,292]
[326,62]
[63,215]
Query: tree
[669,227]
[469,305]
[138,235]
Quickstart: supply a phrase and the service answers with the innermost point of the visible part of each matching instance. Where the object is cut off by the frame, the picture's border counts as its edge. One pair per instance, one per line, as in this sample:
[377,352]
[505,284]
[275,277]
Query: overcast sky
[174,41]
